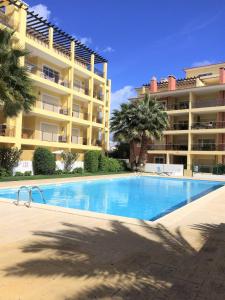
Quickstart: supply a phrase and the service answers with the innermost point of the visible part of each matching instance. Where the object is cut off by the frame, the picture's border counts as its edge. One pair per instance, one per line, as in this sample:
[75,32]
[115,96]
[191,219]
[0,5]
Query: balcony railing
[97,143]
[81,90]
[208,125]
[79,140]
[177,106]
[98,72]
[98,95]
[83,116]
[47,136]
[34,69]
[208,147]
[97,119]
[6,130]
[181,147]
[4,19]
[178,126]
[52,107]
[211,103]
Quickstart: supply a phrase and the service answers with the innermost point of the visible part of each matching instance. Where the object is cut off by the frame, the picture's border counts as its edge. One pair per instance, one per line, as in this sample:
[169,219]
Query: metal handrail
[30,195]
[18,193]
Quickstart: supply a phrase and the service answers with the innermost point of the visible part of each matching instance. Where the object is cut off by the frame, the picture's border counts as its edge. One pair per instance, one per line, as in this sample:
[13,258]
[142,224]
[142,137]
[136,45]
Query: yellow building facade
[196,110]
[72,96]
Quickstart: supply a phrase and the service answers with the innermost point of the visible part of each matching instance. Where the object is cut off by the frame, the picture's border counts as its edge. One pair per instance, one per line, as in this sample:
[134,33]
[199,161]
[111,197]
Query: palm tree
[152,120]
[15,86]
[139,121]
[124,130]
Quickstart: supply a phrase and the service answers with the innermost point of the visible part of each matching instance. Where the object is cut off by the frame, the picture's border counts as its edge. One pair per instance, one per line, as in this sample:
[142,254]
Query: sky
[142,38]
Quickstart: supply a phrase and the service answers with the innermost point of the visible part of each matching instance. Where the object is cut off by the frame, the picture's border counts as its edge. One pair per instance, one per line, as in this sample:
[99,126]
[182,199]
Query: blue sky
[142,38]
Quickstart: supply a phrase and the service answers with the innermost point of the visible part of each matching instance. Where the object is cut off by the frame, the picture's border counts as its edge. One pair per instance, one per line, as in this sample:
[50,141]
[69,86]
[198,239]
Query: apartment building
[70,83]
[196,110]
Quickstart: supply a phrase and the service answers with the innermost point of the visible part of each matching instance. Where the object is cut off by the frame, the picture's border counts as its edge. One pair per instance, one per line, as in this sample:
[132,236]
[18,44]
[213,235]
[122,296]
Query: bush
[78,171]
[91,161]
[9,158]
[43,162]
[4,173]
[107,164]
[69,158]
[27,173]
[58,172]
[18,174]
[219,169]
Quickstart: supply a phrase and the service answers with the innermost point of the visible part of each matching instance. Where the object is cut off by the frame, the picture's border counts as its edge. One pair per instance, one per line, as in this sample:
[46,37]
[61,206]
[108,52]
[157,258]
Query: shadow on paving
[157,264]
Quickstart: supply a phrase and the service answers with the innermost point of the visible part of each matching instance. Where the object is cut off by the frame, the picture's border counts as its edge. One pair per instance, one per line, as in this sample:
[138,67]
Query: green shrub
[9,158]
[43,162]
[91,161]
[219,169]
[4,173]
[18,174]
[27,173]
[69,158]
[107,164]
[78,171]
[58,172]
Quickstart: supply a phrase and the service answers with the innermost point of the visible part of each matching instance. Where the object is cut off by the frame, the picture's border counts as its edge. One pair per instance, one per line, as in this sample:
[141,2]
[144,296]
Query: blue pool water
[146,198]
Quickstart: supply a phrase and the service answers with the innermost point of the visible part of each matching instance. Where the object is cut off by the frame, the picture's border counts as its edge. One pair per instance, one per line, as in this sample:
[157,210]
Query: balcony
[179,126]
[34,69]
[177,106]
[6,130]
[97,143]
[208,125]
[4,19]
[97,119]
[98,72]
[41,135]
[82,116]
[208,103]
[169,147]
[52,107]
[77,88]
[98,95]
[208,147]
[78,140]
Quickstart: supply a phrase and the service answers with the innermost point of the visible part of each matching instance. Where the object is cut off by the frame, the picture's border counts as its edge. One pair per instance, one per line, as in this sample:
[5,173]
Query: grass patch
[37,177]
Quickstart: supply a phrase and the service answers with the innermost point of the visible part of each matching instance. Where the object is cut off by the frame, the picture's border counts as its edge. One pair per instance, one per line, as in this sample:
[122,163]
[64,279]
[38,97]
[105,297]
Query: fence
[170,169]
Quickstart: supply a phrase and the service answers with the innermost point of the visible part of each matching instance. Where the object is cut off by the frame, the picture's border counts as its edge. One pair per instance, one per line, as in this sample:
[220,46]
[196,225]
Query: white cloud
[85,40]
[108,49]
[42,10]
[202,63]
[122,95]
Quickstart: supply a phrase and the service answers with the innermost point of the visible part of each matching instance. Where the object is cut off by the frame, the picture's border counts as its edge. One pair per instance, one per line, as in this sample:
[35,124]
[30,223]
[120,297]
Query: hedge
[91,161]
[107,164]
[43,162]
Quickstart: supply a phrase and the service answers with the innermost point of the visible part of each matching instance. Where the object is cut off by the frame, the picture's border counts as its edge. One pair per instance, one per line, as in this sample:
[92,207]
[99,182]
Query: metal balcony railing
[98,95]
[81,90]
[34,69]
[6,130]
[208,125]
[177,106]
[47,136]
[178,126]
[181,147]
[98,72]
[208,147]
[205,104]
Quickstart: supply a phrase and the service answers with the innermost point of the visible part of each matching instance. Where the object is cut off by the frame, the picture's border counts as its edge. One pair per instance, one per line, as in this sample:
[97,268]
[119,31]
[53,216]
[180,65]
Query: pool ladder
[30,190]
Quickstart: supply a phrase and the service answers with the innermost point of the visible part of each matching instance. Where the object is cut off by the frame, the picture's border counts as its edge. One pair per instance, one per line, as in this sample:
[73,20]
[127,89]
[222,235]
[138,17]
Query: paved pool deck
[63,254]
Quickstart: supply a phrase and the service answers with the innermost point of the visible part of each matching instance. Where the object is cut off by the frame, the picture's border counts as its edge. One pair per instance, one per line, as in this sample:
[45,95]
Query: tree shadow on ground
[151,263]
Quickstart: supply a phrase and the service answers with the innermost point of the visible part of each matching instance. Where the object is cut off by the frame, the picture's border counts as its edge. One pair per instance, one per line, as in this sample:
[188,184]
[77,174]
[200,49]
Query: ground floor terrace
[58,254]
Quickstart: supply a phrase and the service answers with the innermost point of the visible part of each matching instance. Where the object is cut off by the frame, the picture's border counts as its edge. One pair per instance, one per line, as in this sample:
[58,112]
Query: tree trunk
[143,150]
[132,155]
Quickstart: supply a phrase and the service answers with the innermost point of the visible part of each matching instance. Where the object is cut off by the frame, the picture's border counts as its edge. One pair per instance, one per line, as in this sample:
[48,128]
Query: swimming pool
[146,198]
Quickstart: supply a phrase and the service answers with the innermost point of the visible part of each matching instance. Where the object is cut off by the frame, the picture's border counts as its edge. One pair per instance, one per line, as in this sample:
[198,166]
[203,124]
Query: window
[159,160]
[204,74]
[51,74]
